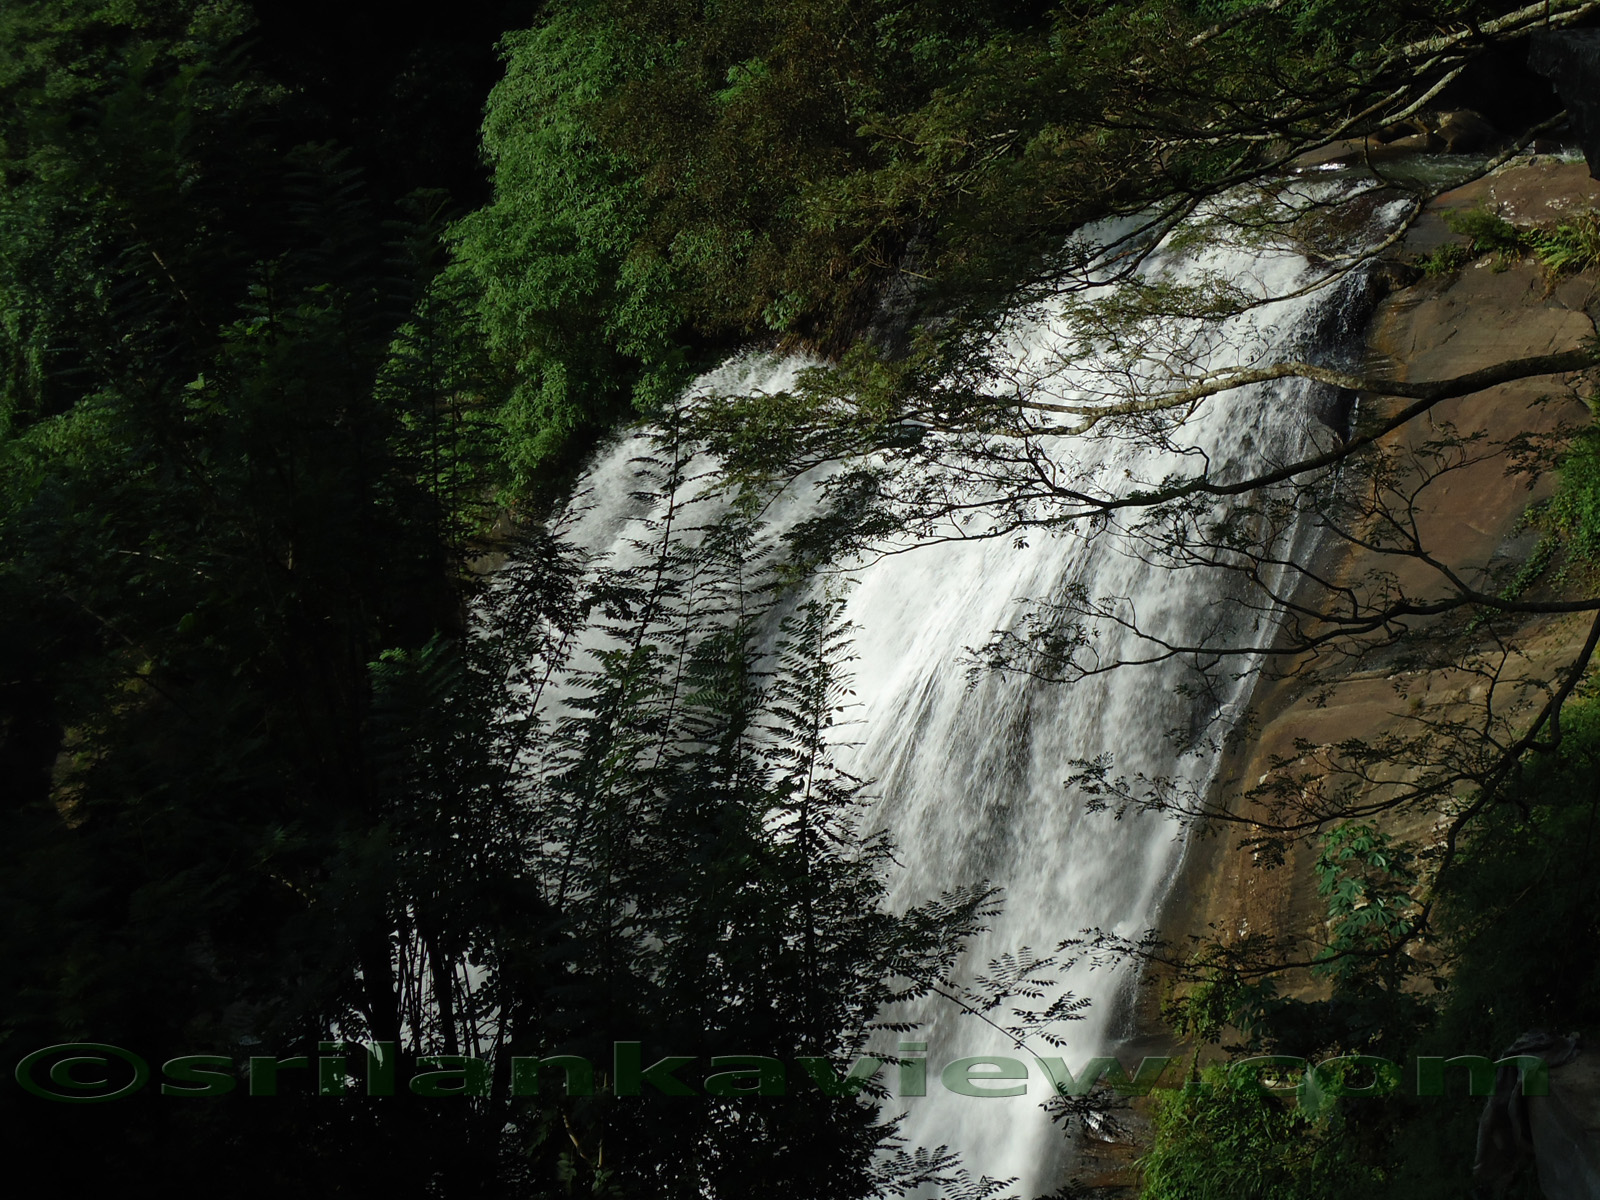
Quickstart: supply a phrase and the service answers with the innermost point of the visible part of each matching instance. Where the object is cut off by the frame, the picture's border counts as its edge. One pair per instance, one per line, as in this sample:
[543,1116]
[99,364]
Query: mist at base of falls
[969,769]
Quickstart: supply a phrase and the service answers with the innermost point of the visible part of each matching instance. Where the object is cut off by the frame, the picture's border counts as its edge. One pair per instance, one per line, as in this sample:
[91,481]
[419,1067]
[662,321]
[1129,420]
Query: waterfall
[971,775]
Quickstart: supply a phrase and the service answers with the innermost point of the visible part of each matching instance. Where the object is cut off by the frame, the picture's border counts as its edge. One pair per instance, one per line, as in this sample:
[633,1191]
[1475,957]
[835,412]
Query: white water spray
[971,777]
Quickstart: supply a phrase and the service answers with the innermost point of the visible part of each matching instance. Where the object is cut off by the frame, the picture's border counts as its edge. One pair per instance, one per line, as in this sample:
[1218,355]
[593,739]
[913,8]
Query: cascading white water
[971,777]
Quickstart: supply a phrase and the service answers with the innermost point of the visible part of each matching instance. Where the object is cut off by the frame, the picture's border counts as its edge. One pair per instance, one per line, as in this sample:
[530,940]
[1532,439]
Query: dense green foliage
[1567,248]
[232,482]
[667,180]
[670,178]
[1223,1137]
[1573,513]
[262,788]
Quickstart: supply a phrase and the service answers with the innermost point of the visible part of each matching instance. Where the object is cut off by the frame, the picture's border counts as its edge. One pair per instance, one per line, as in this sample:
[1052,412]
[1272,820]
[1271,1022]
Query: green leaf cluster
[1223,1136]
[672,181]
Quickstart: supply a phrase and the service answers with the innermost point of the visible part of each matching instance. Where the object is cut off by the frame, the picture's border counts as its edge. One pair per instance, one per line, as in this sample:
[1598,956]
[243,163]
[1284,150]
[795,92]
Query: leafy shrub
[1488,232]
[1571,247]
[1223,1138]
[1446,260]
[1572,516]
[1367,880]
[1567,249]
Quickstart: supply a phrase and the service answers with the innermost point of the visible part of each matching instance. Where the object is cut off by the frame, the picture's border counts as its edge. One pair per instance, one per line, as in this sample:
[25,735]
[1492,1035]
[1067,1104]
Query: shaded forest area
[264,793]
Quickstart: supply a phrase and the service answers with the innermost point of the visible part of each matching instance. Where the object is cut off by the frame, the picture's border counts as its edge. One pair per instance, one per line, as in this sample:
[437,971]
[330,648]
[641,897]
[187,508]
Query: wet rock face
[1455,131]
[1465,131]
[1430,328]
[1570,59]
